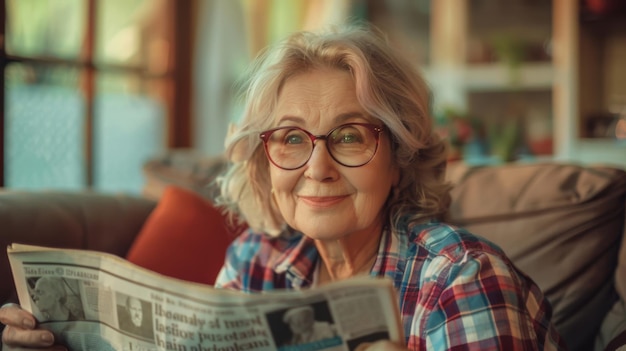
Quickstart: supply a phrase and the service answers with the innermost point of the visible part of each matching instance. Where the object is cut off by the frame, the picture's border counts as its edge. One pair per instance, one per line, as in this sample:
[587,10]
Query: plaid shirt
[456,291]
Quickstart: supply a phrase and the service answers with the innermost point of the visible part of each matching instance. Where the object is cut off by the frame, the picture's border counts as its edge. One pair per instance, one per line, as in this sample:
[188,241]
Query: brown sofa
[561,224]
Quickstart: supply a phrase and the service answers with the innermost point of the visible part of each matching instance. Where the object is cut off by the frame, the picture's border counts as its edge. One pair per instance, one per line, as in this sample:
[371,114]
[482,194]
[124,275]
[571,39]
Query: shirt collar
[387,258]
[298,260]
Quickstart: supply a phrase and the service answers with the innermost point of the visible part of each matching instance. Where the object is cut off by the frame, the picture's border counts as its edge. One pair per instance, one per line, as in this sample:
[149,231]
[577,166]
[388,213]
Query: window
[92,89]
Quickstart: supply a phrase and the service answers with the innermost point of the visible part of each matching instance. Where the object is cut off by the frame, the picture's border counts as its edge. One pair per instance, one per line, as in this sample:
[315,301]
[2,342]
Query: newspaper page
[97,301]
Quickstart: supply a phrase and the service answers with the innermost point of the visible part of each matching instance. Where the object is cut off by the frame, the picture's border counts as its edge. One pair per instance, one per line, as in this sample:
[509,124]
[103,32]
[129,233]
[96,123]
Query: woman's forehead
[315,98]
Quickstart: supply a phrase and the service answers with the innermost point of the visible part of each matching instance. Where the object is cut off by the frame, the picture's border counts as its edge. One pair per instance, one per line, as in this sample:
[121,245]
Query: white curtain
[229,34]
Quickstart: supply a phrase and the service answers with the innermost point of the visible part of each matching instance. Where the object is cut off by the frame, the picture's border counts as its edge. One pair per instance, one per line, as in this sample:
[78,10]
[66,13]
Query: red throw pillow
[184,237]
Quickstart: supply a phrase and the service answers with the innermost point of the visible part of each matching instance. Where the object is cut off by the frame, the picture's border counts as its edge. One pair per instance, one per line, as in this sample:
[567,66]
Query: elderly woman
[338,172]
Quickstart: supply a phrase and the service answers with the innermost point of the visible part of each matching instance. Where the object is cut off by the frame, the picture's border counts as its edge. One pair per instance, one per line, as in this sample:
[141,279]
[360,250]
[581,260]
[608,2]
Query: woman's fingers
[15,336]
[12,314]
[20,333]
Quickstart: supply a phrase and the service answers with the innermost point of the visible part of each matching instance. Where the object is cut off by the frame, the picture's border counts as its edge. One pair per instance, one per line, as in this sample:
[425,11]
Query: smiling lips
[322,201]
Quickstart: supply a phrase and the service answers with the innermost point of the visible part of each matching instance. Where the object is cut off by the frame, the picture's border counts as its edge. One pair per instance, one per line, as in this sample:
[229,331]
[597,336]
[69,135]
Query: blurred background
[93,89]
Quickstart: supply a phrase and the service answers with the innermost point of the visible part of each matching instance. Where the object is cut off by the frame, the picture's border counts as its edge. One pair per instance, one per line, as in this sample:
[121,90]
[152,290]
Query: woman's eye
[349,138]
[293,139]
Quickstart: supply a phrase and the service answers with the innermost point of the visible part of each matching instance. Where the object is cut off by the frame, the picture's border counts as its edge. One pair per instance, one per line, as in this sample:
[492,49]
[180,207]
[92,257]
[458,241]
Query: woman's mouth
[322,201]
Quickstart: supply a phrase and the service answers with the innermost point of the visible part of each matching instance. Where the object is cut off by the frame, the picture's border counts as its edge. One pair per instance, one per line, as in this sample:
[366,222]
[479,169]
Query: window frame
[178,79]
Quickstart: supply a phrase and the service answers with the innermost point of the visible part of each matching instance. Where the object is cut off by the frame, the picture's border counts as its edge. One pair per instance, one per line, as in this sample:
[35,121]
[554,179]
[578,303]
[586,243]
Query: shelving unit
[578,91]
[548,94]
[499,77]
[481,65]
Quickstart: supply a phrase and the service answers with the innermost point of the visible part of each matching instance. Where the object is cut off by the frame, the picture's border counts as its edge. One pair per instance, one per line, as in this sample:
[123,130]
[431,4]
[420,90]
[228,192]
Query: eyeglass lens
[351,145]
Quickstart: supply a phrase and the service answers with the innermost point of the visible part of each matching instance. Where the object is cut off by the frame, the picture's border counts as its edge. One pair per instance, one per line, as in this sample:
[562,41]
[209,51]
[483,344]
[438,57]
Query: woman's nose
[321,165]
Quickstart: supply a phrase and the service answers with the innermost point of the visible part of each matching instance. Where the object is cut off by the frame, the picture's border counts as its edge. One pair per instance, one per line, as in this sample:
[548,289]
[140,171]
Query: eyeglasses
[350,145]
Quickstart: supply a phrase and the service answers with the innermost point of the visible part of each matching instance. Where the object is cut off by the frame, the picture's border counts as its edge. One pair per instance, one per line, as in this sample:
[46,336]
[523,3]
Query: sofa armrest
[83,220]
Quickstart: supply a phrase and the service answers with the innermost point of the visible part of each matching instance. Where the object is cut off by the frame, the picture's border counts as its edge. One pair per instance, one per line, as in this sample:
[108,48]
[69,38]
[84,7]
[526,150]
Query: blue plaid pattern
[456,291]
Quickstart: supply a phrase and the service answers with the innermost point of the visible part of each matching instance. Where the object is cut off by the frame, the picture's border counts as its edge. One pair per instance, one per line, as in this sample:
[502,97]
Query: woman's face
[323,199]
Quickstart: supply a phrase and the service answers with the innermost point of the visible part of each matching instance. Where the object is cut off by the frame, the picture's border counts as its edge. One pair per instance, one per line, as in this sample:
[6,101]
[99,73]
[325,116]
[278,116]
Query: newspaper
[97,301]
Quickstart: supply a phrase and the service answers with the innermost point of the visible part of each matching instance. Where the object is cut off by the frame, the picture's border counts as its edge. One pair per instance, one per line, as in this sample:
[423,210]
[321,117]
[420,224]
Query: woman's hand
[384,345]
[20,332]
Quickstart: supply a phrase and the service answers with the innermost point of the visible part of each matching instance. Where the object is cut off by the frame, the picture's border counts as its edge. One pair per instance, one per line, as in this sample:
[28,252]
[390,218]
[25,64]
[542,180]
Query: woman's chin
[323,232]
[331,234]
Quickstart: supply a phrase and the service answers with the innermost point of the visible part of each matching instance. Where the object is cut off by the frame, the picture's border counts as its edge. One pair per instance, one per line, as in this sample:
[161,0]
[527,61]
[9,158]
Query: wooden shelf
[601,151]
[486,77]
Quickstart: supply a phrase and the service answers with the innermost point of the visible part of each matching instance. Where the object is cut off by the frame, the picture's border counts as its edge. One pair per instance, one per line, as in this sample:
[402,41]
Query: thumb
[363,346]
[385,345]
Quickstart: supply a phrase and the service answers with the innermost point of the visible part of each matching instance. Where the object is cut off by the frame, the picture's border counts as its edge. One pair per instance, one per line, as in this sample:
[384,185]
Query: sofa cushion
[560,224]
[185,237]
